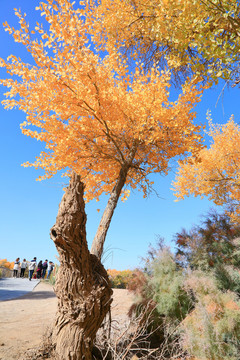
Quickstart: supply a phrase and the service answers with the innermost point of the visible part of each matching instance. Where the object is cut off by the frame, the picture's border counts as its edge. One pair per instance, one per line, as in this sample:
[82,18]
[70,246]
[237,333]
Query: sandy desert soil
[24,321]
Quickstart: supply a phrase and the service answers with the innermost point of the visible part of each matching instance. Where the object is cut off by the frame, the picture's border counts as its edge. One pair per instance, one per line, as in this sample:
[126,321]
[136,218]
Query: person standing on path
[23,268]
[50,269]
[44,268]
[31,267]
[39,270]
[16,267]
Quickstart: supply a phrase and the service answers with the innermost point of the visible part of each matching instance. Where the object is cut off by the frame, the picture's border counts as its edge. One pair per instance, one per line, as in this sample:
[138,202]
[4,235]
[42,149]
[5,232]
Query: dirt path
[23,321]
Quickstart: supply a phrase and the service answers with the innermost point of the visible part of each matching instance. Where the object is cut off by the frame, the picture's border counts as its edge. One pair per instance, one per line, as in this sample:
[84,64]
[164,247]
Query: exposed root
[45,351]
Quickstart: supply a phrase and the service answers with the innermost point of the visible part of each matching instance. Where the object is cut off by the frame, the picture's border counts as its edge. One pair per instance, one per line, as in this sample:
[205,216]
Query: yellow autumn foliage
[96,115]
[196,36]
[214,172]
[6,264]
[120,278]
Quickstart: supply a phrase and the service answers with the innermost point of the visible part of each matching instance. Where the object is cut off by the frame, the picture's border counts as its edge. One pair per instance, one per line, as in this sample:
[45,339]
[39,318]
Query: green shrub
[166,285]
[162,298]
[228,278]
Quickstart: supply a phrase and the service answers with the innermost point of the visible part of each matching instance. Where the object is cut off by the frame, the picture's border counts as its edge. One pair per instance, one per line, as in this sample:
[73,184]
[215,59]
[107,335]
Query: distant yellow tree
[6,264]
[120,278]
[214,172]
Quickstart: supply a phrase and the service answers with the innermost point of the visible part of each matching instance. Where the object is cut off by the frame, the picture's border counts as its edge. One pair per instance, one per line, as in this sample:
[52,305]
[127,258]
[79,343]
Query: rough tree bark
[82,286]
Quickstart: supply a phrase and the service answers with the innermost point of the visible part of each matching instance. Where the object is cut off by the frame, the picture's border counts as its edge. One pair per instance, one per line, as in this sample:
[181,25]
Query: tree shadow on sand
[36,295]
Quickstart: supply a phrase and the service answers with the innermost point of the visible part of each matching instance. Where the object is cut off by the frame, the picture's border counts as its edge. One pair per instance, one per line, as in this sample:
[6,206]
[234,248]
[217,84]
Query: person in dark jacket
[39,270]
[44,268]
[31,267]
[23,268]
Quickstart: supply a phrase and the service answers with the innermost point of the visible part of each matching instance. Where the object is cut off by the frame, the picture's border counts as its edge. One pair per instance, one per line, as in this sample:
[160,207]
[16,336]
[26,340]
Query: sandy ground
[24,321]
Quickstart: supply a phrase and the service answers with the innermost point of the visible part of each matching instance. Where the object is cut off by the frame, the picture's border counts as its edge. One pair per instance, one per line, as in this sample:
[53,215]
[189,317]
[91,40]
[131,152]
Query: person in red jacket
[39,270]
[44,268]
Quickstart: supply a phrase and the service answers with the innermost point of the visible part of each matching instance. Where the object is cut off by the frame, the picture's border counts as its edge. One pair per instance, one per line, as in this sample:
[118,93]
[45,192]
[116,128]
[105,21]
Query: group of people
[41,268]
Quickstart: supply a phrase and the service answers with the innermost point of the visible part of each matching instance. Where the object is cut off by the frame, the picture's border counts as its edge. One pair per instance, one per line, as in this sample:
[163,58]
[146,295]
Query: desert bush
[166,282]
[228,275]
[161,291]
[120,279]
[212,329]
[138,283]
[228,278]
[162,282]
[213,248]
[210,244]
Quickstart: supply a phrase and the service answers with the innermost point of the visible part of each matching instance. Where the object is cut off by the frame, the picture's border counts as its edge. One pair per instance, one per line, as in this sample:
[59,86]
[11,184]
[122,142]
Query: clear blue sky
[29,208]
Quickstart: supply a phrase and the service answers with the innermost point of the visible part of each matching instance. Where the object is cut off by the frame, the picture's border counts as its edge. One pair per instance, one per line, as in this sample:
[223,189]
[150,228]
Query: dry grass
[135,341]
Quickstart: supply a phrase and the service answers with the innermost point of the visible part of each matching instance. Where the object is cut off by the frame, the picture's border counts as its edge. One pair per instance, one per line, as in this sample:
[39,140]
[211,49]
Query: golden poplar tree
[109,125]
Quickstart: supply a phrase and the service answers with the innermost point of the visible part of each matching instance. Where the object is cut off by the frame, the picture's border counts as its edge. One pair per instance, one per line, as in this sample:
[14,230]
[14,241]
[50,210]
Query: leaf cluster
[188,36]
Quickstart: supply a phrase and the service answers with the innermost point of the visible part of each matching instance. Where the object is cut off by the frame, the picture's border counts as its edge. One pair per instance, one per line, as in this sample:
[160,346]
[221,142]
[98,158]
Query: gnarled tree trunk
[82,286]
